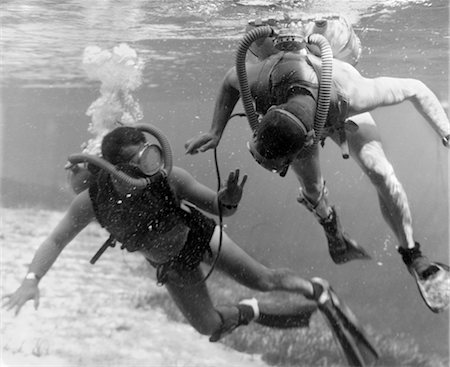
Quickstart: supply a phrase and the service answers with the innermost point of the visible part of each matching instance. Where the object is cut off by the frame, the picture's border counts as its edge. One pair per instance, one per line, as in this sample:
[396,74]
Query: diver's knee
[265,282]
[272,280]
[376,166]
[314,192]
[383,176]
[378,178]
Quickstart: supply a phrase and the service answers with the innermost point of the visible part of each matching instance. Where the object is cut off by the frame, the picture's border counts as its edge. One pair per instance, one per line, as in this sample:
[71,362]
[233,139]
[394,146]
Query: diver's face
[132,153]
[276,165]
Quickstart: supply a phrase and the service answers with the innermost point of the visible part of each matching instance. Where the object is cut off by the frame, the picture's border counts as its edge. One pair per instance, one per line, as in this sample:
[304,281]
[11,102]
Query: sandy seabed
[92,315]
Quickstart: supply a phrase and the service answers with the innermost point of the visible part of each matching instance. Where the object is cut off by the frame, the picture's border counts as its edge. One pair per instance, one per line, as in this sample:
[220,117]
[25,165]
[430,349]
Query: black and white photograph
[230,183]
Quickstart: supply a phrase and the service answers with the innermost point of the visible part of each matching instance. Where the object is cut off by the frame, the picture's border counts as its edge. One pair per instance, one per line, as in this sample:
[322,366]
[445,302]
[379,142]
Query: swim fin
[271,313]
[349,334]
[341,247]
[435,288]
[297,316]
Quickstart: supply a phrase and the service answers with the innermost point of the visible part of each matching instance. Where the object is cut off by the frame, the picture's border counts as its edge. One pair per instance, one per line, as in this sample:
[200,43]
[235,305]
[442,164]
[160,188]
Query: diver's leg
[191,296]
[309,175]
[244,269]
[313,194]
[285,312]
[274,310]
[366,149]
[432,279]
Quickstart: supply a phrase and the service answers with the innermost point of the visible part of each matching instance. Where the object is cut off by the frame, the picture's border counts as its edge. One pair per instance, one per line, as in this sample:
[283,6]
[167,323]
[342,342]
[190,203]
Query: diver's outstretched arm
[226,101]
[78,216]
[386,91]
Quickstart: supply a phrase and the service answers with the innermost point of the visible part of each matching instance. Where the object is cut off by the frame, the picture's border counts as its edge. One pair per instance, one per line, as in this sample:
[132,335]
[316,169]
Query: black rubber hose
[241,53]
[326,78]
[139,183]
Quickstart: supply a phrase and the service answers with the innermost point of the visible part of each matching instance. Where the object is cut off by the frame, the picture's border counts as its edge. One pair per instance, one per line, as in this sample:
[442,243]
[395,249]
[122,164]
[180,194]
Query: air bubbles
[120,73]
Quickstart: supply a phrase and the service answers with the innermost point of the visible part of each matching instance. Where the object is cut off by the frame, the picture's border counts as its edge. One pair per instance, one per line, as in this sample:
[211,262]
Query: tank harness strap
[310,205]
[342,124]
[340,127]
[263,98]
[162,272]
[110,242]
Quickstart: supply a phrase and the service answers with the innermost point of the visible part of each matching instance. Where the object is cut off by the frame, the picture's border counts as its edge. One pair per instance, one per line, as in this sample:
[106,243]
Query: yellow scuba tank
[344,42]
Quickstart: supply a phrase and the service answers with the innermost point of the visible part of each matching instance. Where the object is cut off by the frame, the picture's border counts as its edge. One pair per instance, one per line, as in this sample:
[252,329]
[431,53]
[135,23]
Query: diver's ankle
[416,262]
[324,212]
[410,254]
[246,313]
[320,287]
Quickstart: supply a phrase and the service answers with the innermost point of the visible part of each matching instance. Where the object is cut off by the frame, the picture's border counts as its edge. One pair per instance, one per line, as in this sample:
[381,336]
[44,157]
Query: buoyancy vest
[139,220]
[285,74]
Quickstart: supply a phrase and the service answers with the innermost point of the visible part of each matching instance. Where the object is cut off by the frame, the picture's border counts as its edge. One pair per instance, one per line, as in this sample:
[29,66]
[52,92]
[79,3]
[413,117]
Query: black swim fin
[271,313]
[435,289]
[354,343]
[341,247]
[295,317]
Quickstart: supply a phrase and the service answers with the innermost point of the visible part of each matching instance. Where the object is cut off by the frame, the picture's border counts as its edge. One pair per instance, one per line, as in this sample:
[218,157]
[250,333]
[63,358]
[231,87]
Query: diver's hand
[231,194]
[202,143]
[28,290]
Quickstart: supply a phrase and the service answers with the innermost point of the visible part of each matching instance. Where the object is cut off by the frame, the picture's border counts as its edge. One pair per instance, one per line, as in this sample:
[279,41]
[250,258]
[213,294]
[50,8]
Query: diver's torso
[150,221]
[287,73]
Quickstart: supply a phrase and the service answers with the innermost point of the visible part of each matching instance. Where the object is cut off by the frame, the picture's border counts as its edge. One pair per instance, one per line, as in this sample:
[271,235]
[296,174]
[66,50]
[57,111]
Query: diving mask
[149,159]
[277,129]
[276,165]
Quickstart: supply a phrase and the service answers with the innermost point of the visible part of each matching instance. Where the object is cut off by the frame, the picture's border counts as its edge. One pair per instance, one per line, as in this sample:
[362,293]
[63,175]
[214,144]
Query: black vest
[135,218]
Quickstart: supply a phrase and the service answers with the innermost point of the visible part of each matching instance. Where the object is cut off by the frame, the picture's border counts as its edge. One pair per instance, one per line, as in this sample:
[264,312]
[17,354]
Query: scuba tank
[80,165]
[344,42]
[287,36]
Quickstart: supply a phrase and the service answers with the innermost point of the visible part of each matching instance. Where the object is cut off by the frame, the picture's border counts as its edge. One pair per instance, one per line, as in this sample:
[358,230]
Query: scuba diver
[151,207]
[295,96]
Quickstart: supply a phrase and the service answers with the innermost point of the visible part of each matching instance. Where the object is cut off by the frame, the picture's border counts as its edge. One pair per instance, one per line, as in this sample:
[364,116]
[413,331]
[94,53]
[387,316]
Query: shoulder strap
[264,85]
[110,242]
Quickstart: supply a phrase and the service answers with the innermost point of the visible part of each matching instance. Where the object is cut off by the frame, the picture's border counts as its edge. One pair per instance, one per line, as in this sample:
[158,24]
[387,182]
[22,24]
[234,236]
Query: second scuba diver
[151,207]
[294,98]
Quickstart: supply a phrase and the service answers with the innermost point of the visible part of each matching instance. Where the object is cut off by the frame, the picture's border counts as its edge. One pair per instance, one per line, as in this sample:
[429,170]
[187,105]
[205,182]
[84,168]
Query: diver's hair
[119,138]
[278,136]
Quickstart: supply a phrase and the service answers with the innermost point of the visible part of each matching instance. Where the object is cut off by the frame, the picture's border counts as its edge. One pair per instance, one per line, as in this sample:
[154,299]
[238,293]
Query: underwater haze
[185,48]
